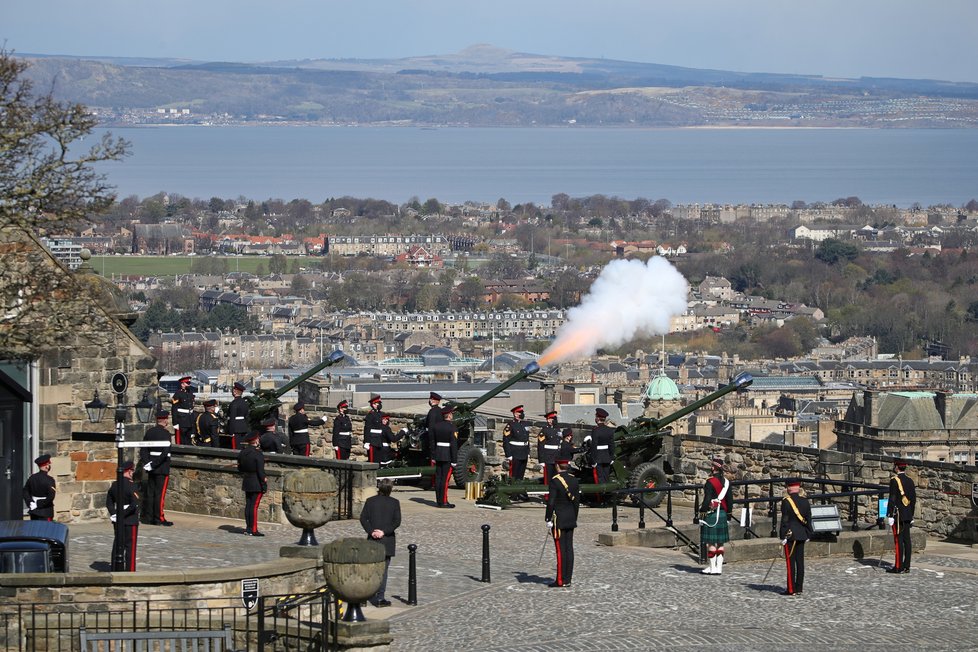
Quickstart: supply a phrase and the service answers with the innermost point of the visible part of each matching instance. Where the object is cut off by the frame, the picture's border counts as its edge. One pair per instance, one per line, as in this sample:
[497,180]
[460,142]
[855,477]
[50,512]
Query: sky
[835,38]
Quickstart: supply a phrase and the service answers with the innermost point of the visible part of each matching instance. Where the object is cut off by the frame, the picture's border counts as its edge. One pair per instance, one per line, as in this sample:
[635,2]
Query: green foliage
[832,251]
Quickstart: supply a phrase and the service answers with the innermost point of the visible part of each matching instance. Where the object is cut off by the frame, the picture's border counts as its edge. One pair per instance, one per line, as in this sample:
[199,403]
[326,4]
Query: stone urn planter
[354,569]
[309,501]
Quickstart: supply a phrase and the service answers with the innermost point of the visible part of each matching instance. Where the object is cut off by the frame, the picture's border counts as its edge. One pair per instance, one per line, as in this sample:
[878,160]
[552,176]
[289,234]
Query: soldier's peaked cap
[447,410]
[239,386]
[551,415]
[385,417]
[375,398]
[252,437]
[128,466]
[298,406]
[185,379]
[434,396]
[601,412]
[518,408]
[268,421]
[162,414]
[210,402]
[42,460]
[342,404]
[792,483]
[901,464]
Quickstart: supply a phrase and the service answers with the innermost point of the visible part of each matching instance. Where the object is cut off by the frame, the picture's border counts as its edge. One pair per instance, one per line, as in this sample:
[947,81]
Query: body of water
[929,166]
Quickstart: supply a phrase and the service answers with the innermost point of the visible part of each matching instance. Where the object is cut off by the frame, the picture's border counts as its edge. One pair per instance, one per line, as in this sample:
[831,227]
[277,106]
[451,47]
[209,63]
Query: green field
[173,265]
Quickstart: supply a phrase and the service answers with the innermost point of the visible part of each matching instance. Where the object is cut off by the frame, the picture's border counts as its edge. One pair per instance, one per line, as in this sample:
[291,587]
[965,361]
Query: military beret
[298,406]
[239,386]
[601,413]
[42,460]
[162,414]
[434,396]
[342,404]
[128,466]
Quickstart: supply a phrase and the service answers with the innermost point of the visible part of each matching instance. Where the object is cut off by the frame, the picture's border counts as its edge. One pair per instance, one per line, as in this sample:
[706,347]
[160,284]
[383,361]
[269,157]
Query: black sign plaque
[249,593]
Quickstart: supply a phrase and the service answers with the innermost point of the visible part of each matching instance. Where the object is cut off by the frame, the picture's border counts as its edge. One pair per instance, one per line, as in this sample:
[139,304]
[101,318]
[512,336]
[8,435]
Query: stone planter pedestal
[309,501]
[354,569]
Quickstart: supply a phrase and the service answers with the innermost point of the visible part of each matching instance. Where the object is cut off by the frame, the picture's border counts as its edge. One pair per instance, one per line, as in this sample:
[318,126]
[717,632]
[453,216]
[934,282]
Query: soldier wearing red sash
[713,524]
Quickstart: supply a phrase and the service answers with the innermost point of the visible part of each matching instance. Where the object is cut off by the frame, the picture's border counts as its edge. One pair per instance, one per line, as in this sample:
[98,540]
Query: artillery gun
[413,455]
[264,402]
[639,462]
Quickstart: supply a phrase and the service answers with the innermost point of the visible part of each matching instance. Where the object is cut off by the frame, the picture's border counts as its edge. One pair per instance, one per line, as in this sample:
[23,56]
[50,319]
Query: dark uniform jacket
[157,458]
[373,430]
[39,489]
[517,443]
[548,444]
[791,528]
[383,513]
[183,413]
[563,503]
[388,439]
[603,444]
[299,428]
[238,416]
[206,426]
[710,492]
[342,431]
[272,442]
[444,442]
[567,450]
[896,504]
[251,465]
[434,416]
[127,505]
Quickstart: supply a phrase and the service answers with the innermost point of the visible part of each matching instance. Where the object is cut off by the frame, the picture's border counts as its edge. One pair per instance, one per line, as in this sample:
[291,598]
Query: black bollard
[412,574]
[614,517]
[641,515]
[485,552]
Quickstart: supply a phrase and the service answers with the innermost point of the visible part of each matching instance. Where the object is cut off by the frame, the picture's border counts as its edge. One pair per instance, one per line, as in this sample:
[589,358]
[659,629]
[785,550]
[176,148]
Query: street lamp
[144,412]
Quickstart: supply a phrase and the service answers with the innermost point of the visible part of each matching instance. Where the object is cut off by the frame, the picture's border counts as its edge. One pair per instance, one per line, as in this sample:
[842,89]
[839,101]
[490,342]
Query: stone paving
[621,598]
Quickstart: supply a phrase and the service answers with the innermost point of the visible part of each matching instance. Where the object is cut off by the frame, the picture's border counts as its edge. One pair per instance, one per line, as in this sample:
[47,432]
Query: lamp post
[144,412]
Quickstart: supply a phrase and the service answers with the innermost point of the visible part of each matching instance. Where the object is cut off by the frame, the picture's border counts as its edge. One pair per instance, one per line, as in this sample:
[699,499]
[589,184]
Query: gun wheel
[471,466]
[647,476]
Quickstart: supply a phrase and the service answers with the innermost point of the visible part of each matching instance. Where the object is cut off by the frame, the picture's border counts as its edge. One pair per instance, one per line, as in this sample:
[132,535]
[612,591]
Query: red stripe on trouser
[234,442]
[307,450]
[370,454]
[511,468]
[546,476]
[166,483]
[787,560]
[254,513]
[176,434]
[560,559]
[896,545]
[448,478]
[132,548]
[595,470]
[339,454]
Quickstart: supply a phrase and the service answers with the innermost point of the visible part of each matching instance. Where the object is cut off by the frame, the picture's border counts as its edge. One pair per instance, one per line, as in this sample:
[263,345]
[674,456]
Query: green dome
[662,388]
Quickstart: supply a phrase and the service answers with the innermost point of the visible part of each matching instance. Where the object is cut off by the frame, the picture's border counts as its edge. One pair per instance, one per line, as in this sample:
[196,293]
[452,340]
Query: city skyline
[834,38]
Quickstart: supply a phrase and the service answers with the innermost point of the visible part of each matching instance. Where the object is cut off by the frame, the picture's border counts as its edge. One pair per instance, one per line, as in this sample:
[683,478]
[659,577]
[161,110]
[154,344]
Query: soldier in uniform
[39,491]
[380,518]
[567,449]
[251,465]
[796,518]
[372,430]
[237,427]
[156,463]
[299,429]
[444,452]
[899,515]
[713,520]
[206,425]
[123,502]
[342,432]
[563,503]
[183,413]
[388,439]
[434,411]
[548,447]
[602,439]
[271,441]
[516,444]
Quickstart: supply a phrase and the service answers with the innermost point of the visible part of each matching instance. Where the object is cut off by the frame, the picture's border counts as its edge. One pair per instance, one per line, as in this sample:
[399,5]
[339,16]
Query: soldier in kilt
[713,519]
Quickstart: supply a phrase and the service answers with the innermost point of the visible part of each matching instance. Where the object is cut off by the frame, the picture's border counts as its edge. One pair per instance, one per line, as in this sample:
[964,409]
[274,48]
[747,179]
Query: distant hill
[487,86]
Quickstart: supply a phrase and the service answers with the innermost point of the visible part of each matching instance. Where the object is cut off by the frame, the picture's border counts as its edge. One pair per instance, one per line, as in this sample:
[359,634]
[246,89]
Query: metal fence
[274,623]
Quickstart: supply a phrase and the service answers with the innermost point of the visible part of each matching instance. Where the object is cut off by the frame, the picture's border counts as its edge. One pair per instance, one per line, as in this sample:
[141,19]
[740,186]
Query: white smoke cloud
[629,299]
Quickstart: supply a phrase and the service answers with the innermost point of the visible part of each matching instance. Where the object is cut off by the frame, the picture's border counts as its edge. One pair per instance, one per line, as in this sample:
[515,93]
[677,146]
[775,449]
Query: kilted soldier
[563,503]
[516,444]
[122,501]
[299,429]
[713,520]
[548,447]
[342,432]
[39,491]
[899,512]
[156,462]
[206,425]
[372,430]
[602,439]
[388,439]
[251,466]
[183,413]
[444,452]
[237,428]
[796,518]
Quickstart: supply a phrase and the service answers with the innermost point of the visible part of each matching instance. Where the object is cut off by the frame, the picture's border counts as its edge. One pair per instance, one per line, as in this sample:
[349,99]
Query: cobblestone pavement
[621,598]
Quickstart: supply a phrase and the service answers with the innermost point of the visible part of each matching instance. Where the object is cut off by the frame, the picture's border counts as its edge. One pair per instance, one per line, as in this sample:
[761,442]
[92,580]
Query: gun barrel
[330,360]
[525,372]
[741,381]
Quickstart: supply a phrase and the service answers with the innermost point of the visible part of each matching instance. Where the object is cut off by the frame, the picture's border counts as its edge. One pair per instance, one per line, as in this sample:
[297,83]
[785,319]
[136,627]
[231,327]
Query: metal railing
[280,622]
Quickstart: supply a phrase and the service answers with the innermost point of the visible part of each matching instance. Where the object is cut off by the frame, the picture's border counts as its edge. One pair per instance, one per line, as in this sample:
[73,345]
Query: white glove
[784,542]
[453,465]
[148,466]
[890,521]
[33,505]
[404,431]
[542,466]
[588,438]
[112,517]
[510,458]
[366,447]
[550,525]
[714,503]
